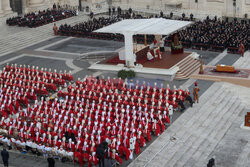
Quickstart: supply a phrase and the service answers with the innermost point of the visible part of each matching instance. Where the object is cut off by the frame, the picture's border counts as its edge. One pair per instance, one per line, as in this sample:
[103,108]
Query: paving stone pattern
[85,45]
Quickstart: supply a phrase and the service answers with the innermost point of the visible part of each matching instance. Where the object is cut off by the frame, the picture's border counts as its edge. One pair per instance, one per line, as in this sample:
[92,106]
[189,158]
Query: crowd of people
[71,126]
[85,29]
[87,26]
[40,18]
[216,34]
[213,34]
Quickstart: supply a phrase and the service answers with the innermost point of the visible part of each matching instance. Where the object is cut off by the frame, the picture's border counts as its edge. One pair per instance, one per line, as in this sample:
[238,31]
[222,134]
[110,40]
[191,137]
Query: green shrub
[126,74]
[122,74]
[130,74]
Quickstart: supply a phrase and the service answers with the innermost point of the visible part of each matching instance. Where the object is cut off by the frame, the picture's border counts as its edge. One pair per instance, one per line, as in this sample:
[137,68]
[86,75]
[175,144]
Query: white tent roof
[153,26]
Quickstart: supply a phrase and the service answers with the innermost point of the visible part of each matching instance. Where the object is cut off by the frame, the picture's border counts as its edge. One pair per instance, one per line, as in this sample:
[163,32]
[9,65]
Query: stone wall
[5,7]
[202,7]
[199,9]
[35,5]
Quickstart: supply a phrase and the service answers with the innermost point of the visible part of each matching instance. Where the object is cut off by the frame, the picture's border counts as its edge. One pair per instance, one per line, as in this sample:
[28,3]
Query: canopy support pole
[129,55]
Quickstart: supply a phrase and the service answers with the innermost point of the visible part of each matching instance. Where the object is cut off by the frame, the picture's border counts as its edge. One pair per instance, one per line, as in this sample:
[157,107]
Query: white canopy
[153,26]
[130,27]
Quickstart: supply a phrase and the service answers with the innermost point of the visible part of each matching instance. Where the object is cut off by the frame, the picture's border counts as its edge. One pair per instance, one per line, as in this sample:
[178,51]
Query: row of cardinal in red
[47,79]
[79,91]
[25,70]
[155,103]
[28,83]
[113,85]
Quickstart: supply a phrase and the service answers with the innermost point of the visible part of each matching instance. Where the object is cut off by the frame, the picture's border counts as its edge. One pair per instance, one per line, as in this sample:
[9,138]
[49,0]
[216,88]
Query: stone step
[209,103]
[227,122]
[204,99]
[183,61]
[185,64]
[246,63]
[182,134]
[202,128]
[211,146]
[191,69]
[187,69]
[187,72]
[239,62]
[202,143]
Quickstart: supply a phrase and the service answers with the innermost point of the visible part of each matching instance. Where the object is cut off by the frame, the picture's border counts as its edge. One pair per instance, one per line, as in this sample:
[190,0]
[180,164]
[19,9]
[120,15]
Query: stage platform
[165,69]
[168,60]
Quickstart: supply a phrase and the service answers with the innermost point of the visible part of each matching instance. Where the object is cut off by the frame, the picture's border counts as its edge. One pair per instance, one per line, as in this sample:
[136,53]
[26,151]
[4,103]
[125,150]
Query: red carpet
[168,60]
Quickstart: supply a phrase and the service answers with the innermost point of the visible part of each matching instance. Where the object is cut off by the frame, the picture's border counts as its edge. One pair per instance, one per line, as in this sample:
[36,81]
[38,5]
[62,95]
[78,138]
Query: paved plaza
[208,129]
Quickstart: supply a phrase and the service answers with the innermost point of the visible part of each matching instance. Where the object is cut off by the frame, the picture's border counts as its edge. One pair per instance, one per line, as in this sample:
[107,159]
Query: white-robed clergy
[150,57]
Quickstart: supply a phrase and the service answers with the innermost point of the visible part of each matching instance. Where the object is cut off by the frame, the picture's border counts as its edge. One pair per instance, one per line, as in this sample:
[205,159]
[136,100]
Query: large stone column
[6,6]
[1,11]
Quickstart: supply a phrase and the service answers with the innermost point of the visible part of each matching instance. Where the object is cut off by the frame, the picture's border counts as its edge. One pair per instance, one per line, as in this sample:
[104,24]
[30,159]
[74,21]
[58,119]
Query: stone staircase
[243,62]
[197,131]
[186,67]
[13,38]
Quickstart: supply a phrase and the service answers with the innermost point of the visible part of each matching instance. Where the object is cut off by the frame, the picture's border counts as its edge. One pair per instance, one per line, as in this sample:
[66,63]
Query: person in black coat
[161,14]
[171,15]
[51,161]
[54,6]
[182,107]
[113,11]
[211,162]
[191,16]
[5,157]
[119,10]
[190,100]
[130,10]
[183,15]
[100,152]
[109,11]
[91,15]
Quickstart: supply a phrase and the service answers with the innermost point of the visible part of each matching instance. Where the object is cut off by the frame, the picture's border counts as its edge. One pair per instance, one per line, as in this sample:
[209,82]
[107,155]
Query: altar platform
[165,68]
[168,60]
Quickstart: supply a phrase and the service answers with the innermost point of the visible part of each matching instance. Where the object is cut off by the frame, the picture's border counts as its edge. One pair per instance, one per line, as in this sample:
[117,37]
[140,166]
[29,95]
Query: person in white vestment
[150,57]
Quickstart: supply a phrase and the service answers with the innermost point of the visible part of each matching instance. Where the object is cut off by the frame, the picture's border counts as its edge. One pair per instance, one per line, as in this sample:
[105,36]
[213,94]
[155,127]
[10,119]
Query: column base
[8,11]
[34,5]
[36,8]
